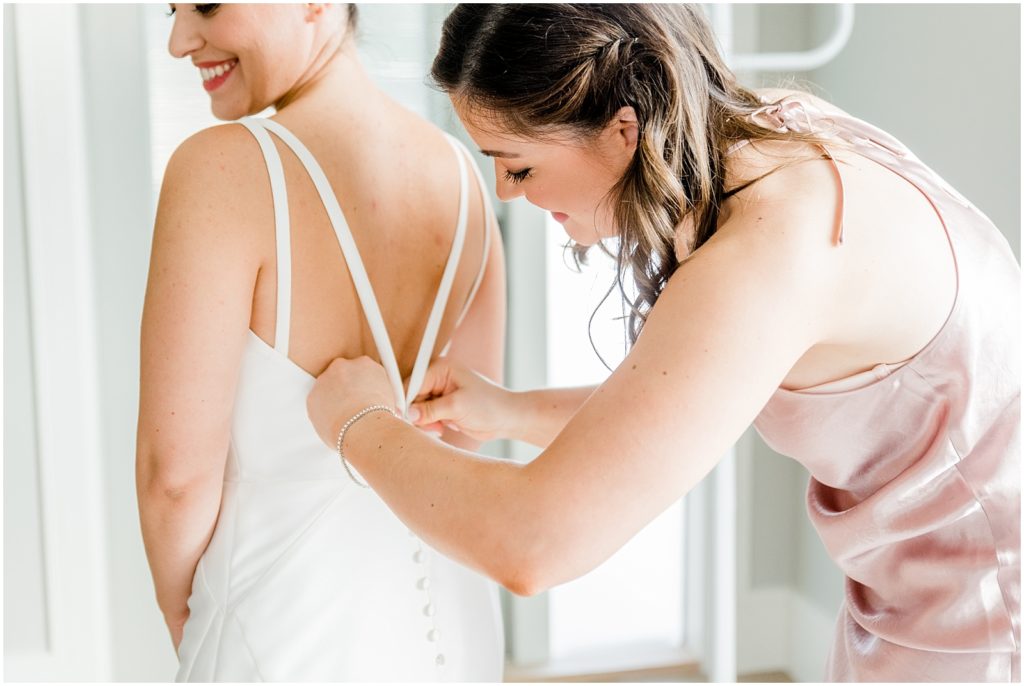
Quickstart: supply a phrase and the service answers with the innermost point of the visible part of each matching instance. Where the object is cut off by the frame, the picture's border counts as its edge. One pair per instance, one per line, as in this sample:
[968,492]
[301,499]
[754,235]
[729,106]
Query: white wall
[944,79]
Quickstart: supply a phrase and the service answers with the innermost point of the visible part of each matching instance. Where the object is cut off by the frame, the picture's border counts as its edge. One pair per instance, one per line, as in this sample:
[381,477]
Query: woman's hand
[458,398]
[342,390]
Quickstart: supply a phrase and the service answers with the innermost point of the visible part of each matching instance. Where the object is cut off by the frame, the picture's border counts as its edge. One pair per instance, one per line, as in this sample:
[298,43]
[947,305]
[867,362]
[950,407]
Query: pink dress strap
[790,114]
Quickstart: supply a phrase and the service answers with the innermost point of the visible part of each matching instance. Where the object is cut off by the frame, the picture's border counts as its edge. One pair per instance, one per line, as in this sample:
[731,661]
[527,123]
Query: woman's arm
[731,323]
[198,301]
[456,396]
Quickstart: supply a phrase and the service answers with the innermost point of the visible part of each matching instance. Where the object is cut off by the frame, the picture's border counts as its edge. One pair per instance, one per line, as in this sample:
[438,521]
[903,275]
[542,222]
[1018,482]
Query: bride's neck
[336,81]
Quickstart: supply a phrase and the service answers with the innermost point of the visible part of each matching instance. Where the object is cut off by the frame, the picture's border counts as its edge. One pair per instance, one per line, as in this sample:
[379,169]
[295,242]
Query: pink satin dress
[915,467]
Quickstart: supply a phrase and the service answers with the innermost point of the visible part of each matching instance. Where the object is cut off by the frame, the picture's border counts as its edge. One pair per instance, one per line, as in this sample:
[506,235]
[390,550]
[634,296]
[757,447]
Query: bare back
[399,191]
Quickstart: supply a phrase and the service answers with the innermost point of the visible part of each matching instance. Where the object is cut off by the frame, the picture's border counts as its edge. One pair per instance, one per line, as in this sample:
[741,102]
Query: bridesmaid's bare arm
[729,326]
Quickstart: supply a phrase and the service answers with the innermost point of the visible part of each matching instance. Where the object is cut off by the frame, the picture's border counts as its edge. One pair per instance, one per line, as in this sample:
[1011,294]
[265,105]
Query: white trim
[721,665]
[527,619]
[710,576]
[804,60]
[695,573]
[63,317]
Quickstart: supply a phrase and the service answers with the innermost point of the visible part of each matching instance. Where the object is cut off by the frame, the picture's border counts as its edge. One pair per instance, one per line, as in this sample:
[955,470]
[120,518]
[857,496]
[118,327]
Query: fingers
[439,379]
[436,428]
[443,409]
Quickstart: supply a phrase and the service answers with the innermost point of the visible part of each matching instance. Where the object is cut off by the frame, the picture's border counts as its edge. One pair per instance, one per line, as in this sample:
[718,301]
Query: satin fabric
[915,469]
[309,577]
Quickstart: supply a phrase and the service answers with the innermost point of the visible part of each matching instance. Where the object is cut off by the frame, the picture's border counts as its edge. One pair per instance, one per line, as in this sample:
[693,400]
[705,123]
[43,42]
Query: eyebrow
[499,153]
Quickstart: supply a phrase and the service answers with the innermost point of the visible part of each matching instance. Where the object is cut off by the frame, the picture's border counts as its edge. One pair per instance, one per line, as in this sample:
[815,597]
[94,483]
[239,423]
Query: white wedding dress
[307,575]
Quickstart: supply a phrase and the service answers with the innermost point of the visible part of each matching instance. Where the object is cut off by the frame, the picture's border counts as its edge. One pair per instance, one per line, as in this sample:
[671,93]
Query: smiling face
[568,175]
[250,56]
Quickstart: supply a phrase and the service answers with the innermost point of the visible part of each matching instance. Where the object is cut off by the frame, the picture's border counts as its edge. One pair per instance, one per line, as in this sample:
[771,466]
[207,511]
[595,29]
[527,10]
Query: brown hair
[544,68]
[353,17]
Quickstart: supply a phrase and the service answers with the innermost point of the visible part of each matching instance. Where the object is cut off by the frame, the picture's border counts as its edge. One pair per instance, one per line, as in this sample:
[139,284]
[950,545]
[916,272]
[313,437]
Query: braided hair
[547,68]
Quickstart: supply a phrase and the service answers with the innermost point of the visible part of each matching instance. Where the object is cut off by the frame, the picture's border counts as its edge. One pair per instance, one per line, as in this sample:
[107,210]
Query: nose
[184,39]
[503,188]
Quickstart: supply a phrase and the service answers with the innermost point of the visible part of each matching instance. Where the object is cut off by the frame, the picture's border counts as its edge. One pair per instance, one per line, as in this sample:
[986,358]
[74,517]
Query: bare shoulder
[782,228]
[794,196]
[216,181]
[226,152]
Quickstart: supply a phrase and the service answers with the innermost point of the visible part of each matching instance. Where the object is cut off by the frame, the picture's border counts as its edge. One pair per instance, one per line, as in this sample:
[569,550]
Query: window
[628,613]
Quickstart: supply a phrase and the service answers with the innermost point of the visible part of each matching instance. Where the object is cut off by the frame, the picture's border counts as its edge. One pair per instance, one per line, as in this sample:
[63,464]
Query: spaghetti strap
[419,369]
[488,212]
[736,146]
[348,247]
[282,228]
[357,269]
[837,236]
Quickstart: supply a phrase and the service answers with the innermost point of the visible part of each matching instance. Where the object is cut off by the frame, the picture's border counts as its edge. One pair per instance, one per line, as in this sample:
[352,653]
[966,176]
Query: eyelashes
[205,10]
[519,176]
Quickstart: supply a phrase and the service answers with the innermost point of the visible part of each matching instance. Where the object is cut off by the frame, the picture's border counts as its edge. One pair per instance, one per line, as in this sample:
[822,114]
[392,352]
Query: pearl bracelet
[344,429]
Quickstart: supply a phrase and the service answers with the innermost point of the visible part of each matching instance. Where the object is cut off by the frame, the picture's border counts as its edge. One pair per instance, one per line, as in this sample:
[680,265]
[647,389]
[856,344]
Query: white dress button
[439,660]
[418,556]
[433,635]
[429,610]
[423,584]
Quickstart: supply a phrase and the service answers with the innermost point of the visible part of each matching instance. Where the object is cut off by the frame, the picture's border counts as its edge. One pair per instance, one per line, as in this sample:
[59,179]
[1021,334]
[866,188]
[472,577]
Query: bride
[341,226]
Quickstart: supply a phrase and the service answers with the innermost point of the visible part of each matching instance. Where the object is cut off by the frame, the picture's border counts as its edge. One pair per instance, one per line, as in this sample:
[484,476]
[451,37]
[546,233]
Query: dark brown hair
[542,68]
[353,16]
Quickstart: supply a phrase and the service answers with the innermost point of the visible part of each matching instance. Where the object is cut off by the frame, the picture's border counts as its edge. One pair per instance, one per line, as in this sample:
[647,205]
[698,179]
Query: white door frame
[59,270]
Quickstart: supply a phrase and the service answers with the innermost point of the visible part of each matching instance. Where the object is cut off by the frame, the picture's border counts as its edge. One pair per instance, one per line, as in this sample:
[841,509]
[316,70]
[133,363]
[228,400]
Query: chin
[582,235]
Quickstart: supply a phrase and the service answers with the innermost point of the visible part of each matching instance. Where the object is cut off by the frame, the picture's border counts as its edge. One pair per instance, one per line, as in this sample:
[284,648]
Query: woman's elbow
[528,573]
[165,478]
[524,581]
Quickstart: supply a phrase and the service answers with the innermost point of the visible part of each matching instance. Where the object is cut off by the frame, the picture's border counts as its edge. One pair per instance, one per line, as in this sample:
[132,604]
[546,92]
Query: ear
[623,130]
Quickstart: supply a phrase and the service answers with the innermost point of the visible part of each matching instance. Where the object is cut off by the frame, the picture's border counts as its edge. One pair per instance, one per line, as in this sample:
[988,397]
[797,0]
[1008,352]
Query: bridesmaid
[797,268]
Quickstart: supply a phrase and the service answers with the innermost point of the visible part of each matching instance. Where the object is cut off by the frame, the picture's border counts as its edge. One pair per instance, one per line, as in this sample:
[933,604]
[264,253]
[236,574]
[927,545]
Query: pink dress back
[915,468]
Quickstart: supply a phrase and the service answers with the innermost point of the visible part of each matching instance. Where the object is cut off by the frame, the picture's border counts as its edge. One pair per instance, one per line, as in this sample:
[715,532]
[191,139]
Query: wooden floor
[677,674]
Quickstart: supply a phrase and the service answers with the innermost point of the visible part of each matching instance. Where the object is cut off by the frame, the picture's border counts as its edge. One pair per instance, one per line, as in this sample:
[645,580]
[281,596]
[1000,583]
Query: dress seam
[195,656]
[248,648]
[284,553]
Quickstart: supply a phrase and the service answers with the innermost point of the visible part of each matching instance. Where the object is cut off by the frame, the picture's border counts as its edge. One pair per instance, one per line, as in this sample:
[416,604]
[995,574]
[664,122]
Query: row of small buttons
[429,610]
